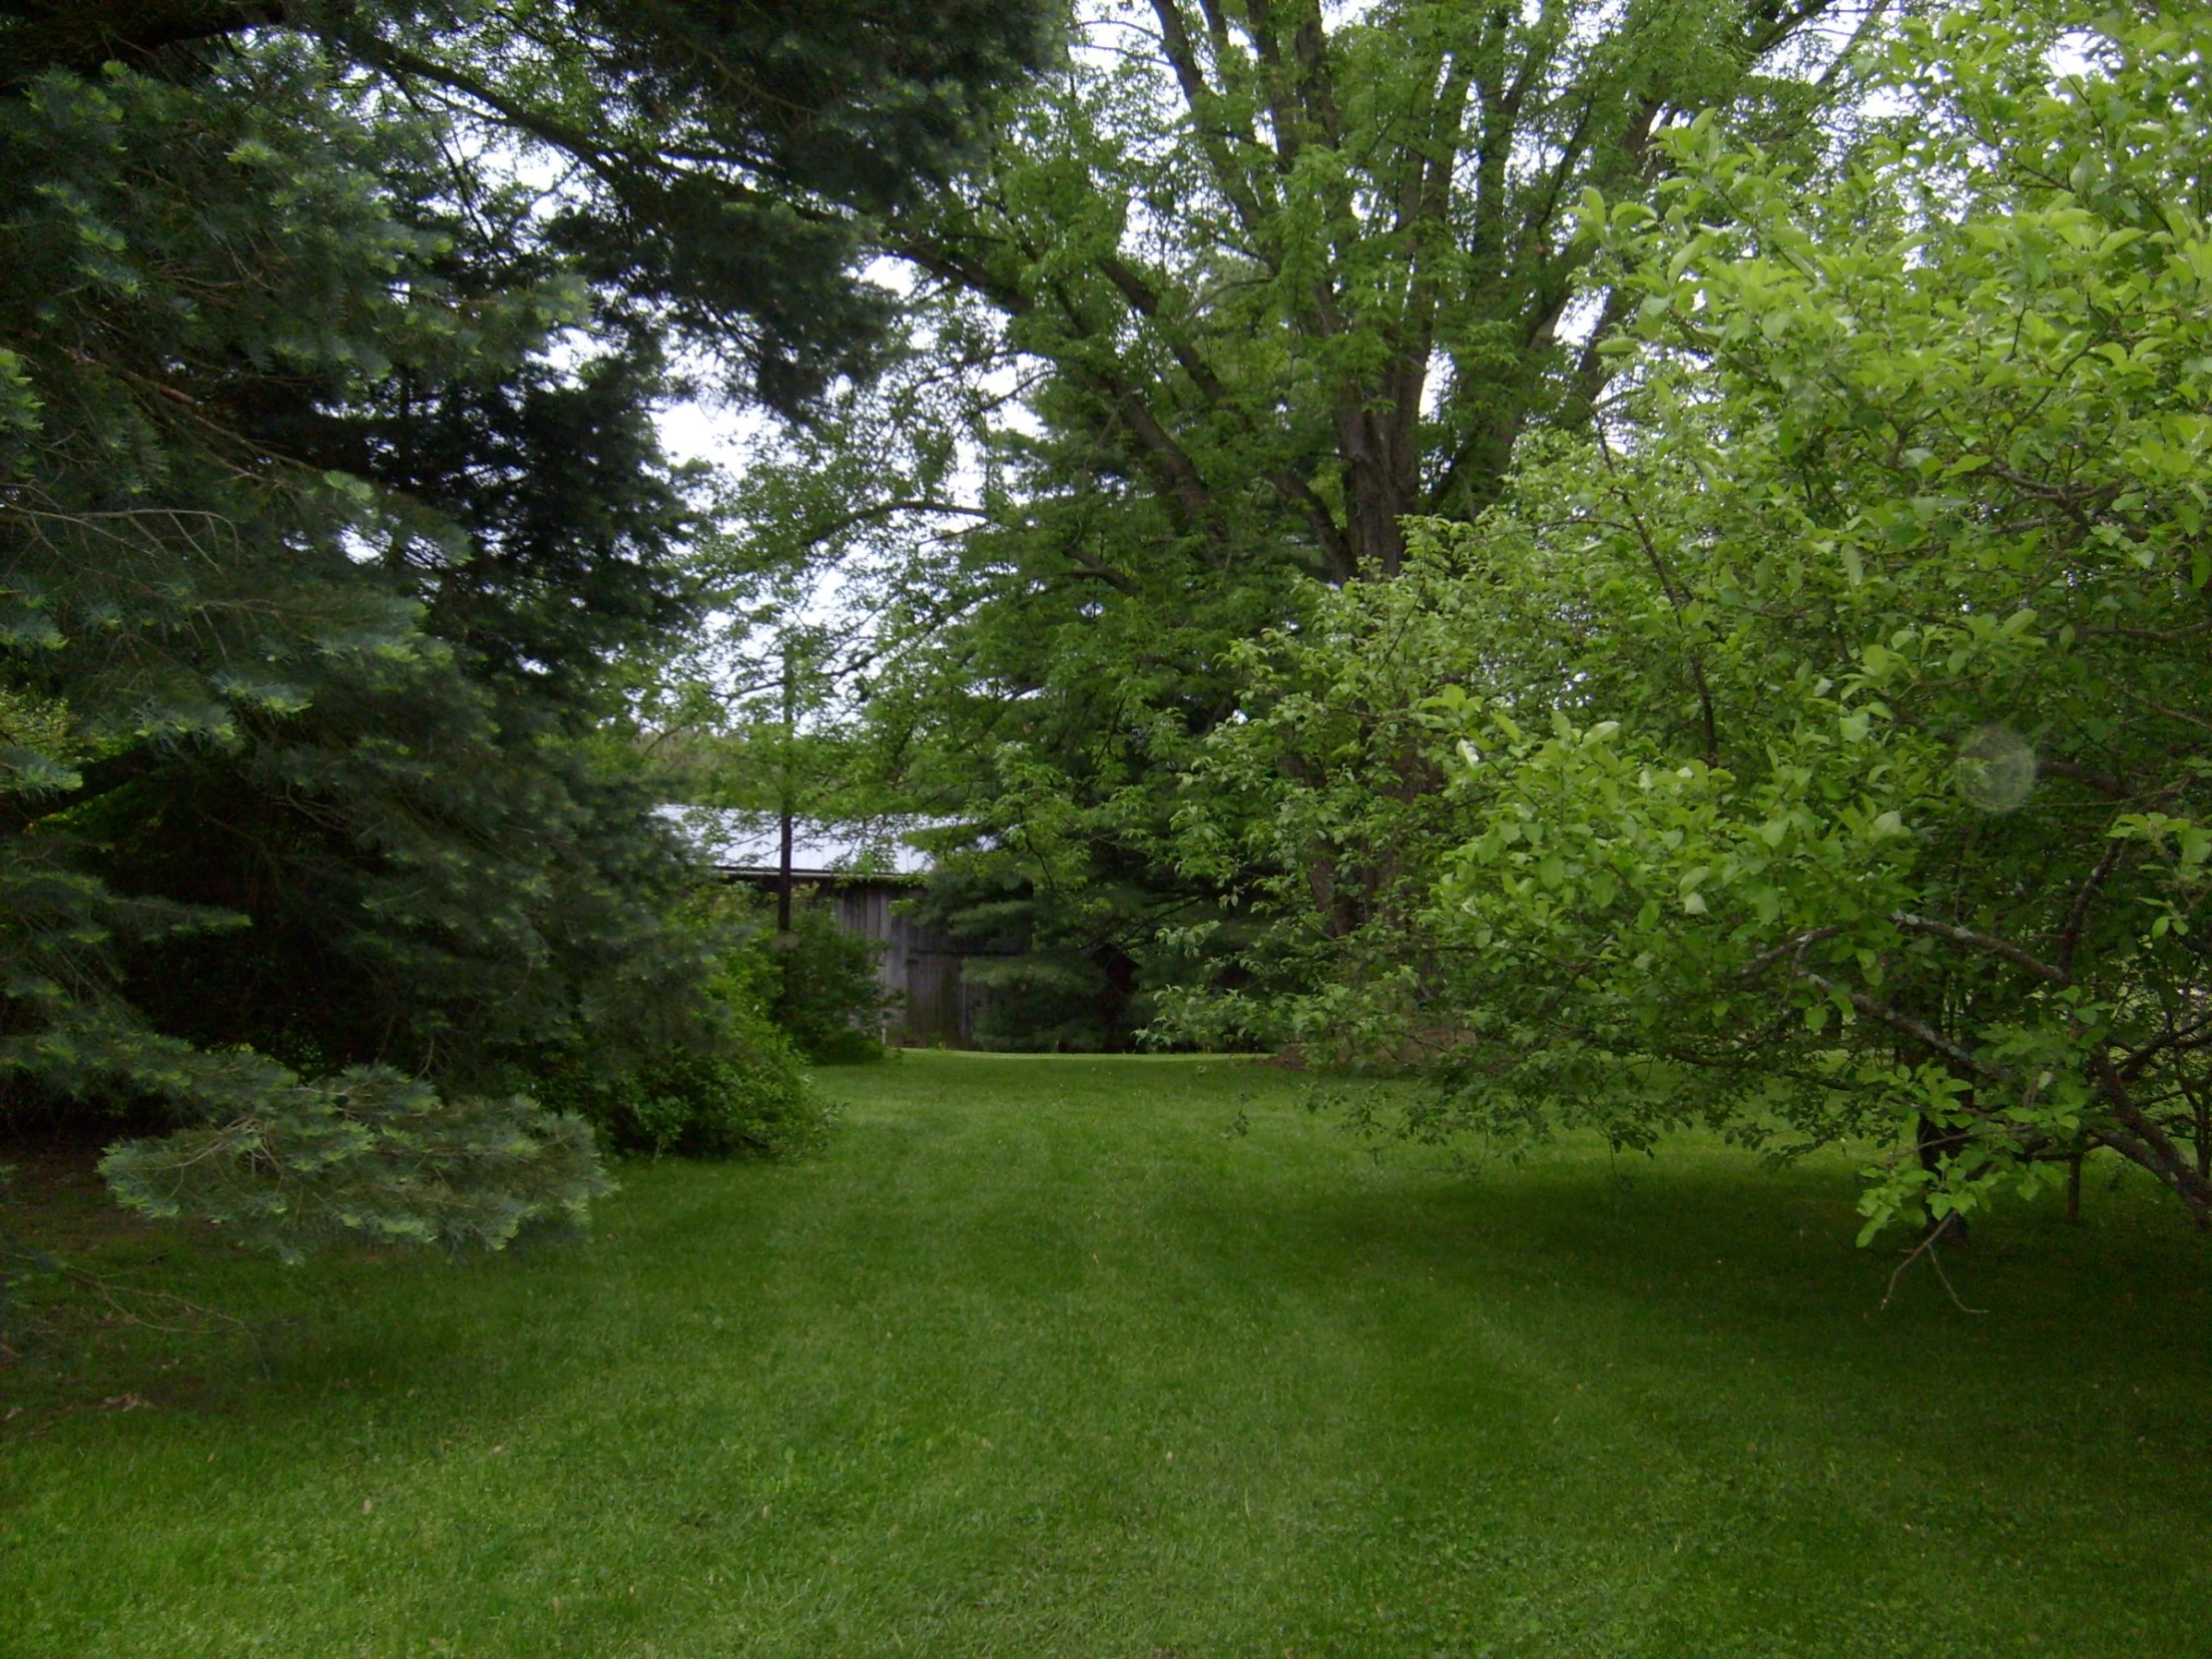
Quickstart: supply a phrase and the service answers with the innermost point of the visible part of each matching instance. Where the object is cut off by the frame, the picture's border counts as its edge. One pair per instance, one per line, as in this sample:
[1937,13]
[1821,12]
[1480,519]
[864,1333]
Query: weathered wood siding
[936,1006]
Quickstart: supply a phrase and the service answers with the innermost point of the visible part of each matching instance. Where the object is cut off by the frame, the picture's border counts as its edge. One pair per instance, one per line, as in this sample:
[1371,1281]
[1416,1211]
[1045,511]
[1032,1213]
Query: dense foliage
[1237,291]
[711,155]
[1823,752]
[335,534]
[823,988]
[1648,563]
[748,1094]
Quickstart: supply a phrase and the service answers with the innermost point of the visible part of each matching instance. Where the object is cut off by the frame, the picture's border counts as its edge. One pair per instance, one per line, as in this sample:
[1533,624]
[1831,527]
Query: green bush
[830,1001]
[817,982]
[750,1099]
[737,1089]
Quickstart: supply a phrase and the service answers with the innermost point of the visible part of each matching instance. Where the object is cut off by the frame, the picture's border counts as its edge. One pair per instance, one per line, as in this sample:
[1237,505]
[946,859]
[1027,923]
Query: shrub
[736,1087]
[829,1002]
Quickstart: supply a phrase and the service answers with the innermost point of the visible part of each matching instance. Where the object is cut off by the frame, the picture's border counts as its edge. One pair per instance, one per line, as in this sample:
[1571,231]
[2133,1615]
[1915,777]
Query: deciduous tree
[1848,773]
[1257,281]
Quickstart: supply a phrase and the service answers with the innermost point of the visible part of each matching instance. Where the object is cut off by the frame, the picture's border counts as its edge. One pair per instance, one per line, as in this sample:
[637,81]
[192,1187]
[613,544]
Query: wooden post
[784,801]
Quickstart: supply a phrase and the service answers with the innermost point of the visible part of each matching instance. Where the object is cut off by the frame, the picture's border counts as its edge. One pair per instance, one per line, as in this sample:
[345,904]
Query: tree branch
[817,534]
[1234,183]
[2156,1151]
[1897,1020]
[1767,958]
[1674,601]
[1144,298]
[1995,946]
[75,35]
[2079,916]
[1145,301]
[2104,782]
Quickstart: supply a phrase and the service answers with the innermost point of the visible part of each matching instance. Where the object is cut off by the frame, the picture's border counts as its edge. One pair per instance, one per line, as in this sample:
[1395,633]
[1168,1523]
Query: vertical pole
[784,801]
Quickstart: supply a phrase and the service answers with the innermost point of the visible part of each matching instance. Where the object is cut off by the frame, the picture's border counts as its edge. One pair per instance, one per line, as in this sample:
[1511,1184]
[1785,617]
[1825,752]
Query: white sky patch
[2076,54]
[358,547]
[1578,322]
[718,431]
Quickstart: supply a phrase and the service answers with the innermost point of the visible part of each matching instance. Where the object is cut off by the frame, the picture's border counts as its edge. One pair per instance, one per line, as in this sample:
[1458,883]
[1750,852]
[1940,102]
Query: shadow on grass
[1768,1259]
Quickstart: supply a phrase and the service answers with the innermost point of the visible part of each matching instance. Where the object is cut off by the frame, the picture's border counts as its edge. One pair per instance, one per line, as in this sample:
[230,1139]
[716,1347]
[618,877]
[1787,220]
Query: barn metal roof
[748,844]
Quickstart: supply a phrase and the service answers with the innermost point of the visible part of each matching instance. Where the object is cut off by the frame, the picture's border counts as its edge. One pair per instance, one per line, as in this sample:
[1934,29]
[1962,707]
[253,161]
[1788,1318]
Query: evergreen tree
[332,530]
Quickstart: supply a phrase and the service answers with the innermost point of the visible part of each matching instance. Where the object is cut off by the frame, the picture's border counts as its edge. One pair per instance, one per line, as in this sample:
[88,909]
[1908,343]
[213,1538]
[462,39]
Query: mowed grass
[1040,1359]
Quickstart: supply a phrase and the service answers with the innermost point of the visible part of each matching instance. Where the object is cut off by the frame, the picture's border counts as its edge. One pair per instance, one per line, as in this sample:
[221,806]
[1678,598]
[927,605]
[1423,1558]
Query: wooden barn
[861,871]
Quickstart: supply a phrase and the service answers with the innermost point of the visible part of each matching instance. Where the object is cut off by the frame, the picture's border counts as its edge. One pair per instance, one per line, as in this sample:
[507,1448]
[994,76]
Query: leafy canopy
[1833,747]
[1239,289]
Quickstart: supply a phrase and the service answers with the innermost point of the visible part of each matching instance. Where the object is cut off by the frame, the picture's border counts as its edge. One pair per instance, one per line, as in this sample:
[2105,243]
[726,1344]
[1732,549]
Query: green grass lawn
[1038,1359]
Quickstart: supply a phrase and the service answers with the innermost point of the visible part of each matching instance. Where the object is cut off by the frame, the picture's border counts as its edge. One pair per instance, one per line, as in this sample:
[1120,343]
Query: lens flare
[1995,768]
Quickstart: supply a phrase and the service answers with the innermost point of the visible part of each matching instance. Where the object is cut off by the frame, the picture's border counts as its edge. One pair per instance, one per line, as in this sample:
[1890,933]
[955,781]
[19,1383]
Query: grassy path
[1037,1360]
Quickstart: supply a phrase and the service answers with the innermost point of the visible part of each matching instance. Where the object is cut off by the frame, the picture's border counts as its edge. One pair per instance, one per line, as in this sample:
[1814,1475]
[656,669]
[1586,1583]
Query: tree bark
[81,34]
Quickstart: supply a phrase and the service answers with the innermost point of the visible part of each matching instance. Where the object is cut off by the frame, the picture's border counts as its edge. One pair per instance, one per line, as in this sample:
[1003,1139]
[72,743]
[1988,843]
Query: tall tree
[1837,759]
[1297,276]
[331,519]
[1249,282]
